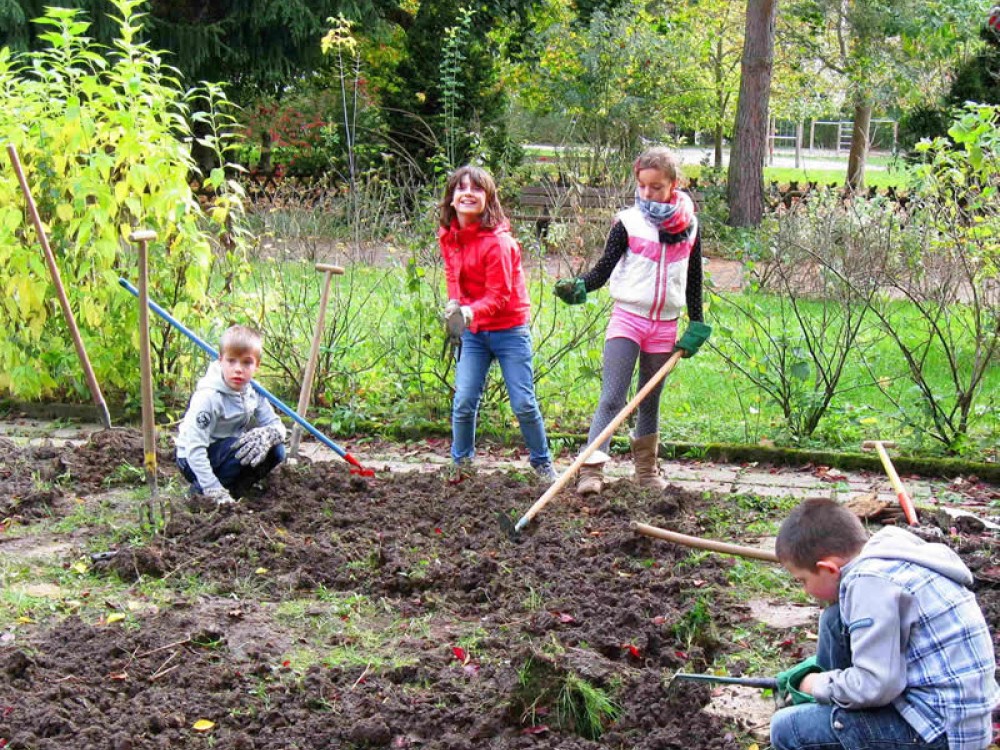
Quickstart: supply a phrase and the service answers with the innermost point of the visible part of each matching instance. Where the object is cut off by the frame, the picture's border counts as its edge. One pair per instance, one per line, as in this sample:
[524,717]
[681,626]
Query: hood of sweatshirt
[213,380]
[893,543]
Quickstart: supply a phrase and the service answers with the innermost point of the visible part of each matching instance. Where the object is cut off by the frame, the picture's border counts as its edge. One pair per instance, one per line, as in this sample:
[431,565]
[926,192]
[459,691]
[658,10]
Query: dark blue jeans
[816,726]
[511,347]
[234,476]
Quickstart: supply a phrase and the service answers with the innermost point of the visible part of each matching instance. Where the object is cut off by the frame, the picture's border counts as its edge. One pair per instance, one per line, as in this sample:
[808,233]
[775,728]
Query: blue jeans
[511,347]
[233,475]
[816,726]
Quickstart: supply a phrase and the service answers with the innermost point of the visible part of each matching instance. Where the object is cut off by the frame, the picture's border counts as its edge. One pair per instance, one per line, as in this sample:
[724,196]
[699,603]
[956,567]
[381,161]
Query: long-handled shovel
[901,494]
[358,468]
[763,683]
[307,379]
[700,332]
[711,545]
[50,261]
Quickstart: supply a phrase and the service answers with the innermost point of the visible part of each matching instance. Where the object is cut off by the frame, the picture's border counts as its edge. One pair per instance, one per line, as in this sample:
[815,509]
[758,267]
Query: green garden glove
[571,291]
[790,679]
[697,333]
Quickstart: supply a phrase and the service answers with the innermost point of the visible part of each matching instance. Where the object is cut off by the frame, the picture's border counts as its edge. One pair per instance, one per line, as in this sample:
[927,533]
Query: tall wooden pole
[143,236]
[50,260]
[305,394]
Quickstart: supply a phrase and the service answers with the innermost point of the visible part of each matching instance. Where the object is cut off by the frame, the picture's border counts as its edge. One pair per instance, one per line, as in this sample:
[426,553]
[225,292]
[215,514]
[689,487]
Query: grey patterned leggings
[619,364]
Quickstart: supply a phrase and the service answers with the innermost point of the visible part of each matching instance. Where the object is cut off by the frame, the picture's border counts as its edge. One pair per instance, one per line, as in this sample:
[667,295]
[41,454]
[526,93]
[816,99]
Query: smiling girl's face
[469,201]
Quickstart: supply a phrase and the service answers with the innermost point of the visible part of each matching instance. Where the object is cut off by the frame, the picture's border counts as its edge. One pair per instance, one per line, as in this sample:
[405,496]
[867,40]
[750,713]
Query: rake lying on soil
[357,467]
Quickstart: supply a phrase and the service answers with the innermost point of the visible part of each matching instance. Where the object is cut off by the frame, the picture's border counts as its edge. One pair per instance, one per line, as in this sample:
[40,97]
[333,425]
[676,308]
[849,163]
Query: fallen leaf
[261,571]
[120,676]
[537,729]
[461,654]
[80,567]
[203,725]
[115,617]
[633,650]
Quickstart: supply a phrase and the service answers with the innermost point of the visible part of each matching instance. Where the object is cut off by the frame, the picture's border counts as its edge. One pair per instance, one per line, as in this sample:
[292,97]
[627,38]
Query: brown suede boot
[590,480]
[647,472]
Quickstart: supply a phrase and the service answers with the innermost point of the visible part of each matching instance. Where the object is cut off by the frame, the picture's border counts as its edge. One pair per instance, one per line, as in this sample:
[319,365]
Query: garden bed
[331,610]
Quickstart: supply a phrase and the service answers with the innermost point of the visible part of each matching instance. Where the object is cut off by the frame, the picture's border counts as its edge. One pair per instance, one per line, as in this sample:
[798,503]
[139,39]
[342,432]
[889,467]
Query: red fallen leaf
[537,729]
[461,654]
[7,711]
[659,620]
[633,650]
[286,664]
[564,617]
[3,742]
[437,529]
[681,655]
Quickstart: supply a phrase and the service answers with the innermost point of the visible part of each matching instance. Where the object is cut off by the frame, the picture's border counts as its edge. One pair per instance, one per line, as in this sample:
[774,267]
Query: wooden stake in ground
[305,394]
[143,236]
[81,352]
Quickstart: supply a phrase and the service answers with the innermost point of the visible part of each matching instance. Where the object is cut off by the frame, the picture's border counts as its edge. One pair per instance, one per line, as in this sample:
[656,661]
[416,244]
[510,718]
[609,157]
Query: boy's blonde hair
[818,528]
[661,158]
[240,340]
[493,214]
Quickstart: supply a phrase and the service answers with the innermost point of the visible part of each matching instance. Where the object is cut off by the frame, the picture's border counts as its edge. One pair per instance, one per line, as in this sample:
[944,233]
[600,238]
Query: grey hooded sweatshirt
[918,640]
[215,413]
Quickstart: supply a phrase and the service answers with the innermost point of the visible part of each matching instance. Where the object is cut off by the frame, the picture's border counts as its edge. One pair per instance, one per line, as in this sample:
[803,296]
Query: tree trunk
[746,161]
[719,137]
[859,146]
[720,102]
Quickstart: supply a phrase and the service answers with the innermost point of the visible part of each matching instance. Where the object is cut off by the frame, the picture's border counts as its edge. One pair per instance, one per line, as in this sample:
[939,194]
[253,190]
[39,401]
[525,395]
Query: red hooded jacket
[483,270]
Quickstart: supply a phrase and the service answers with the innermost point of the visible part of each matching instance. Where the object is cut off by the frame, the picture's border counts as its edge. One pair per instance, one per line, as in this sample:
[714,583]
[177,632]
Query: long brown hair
[493,214]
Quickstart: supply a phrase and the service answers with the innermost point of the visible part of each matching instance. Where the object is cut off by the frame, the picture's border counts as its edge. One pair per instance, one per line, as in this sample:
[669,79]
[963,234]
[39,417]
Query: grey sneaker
[546,472]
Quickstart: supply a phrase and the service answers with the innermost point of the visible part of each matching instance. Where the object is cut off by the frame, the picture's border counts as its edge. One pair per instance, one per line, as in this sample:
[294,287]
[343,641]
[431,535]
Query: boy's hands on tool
[697,333]
[790,682]
[571,291]
[254,445]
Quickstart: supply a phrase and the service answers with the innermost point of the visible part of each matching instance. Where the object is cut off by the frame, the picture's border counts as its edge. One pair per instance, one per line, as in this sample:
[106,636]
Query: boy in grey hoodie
[230,436]
[904,658]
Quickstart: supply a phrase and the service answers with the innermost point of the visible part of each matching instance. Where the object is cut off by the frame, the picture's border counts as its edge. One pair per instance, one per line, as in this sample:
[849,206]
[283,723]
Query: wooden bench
[550,202]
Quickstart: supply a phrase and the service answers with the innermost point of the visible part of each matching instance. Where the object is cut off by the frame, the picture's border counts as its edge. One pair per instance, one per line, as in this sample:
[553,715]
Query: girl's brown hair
[493,214]
[661,158]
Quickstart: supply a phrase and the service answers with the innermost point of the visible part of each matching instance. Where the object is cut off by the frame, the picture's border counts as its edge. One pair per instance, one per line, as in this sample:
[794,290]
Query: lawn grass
[392,374]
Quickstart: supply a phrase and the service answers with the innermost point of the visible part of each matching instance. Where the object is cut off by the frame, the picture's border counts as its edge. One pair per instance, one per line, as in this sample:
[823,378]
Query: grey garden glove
[254,445]
[220,495]
[454,306]
[697,333]
[571,291]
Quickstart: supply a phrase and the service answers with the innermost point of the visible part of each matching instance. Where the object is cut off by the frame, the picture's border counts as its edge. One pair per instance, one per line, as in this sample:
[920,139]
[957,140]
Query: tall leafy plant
[105,142]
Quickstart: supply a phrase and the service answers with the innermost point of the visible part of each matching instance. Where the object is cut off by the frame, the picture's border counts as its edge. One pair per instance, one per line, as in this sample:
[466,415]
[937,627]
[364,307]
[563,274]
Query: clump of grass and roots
[548,694]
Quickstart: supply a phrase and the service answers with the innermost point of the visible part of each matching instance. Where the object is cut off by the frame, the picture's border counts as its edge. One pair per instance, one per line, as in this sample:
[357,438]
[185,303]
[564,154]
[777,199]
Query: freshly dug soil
[425,626]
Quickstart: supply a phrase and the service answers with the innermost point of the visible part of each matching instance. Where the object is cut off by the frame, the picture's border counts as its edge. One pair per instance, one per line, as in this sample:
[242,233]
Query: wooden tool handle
[901,494]
[327,268]
[708,544]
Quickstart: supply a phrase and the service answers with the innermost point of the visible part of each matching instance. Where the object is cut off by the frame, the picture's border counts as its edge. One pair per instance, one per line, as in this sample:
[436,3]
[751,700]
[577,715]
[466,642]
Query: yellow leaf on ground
[115,617]
[261,571]
[203,725]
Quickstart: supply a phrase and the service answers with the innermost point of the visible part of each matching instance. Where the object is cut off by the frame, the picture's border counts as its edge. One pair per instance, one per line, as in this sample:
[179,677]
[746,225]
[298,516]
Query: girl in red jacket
[482,262]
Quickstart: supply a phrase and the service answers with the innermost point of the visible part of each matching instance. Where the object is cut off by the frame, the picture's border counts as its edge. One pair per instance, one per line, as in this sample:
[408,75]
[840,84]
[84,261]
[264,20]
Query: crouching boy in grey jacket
[230,436]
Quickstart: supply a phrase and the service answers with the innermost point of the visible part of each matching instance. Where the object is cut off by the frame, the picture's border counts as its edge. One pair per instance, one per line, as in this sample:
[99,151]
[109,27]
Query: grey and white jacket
[217,412]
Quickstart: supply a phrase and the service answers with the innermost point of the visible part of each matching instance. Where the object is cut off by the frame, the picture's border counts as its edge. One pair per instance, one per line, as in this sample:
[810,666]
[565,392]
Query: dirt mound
[35,479]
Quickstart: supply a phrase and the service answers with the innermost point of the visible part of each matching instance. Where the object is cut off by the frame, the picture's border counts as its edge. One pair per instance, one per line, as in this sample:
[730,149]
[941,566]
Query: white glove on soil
[467,314]
[254,445]
[220,495]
